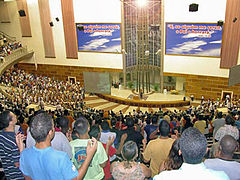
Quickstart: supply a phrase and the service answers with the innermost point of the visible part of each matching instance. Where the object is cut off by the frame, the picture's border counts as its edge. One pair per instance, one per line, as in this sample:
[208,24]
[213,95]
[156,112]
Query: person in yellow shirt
[200,124]
[158,149]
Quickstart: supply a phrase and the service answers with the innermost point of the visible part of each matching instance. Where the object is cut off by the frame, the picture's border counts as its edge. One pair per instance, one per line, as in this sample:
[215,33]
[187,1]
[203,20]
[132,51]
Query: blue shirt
[237,123]
[47,164]
[149,129]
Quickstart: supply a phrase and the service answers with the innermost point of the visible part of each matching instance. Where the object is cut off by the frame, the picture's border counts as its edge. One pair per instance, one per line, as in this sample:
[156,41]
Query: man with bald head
[224,162]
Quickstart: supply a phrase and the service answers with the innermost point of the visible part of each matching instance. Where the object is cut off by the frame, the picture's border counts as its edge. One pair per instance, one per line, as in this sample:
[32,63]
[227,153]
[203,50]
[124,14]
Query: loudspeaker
[51,24]
[220,23]
[234,19]
[80,28]
[22,13]
[193,7]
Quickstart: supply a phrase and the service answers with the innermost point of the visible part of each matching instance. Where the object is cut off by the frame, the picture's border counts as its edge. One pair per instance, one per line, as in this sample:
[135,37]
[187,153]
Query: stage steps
[98,103]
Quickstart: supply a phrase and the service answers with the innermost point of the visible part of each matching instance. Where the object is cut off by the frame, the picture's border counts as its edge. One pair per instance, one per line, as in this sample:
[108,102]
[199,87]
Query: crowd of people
[78,142]
[93,144]
[26,88]
[7,47]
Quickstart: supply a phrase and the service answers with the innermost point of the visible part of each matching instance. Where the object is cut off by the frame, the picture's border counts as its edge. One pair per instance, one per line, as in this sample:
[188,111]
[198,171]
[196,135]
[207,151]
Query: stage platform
[128,97]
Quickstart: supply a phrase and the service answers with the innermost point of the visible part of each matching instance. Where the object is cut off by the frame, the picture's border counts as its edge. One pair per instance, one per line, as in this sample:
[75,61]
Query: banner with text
[193,39]
[99,37]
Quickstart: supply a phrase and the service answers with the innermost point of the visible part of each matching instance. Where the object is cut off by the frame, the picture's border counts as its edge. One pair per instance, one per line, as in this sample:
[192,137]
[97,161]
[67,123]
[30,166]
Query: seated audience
[157,150]
[193,146]
[11,145]
[99,160]
[43,162]
[225,162]
[129,169]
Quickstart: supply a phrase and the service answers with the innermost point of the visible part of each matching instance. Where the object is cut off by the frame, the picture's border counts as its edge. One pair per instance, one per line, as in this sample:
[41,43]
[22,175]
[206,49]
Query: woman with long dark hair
[174,160]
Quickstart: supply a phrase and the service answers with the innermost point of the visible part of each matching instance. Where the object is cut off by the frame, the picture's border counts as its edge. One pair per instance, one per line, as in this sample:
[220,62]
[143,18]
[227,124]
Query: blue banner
[195,39]
[99,37]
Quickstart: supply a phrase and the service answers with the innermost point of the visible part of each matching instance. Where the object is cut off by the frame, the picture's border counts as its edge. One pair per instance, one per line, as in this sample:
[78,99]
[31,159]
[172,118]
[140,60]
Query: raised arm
[123,138]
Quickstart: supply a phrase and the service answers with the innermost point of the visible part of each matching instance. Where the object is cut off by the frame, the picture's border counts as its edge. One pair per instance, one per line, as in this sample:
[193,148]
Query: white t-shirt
[190,172]
[59,142]
[104,138]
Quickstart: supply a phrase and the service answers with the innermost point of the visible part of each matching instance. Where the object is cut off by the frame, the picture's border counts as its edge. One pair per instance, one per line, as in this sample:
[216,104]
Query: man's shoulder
[221,162]
[173,174]
[48,151]
[78,142]
[8,138]
[59,137]
[218,175]
[180,174]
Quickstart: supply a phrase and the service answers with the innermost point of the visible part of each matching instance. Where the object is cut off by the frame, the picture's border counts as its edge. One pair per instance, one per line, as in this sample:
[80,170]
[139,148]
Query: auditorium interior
[132,58]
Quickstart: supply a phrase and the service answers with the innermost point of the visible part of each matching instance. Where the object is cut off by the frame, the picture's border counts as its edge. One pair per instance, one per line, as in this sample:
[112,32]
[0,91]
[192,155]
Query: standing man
[157,150]
[225,162]
[43,162]
[10,146]
[218,122]
[99,160]
[200,124]
[132,134]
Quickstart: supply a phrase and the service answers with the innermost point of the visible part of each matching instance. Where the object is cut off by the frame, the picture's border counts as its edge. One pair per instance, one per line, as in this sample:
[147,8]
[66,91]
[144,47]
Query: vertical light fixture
[141,3]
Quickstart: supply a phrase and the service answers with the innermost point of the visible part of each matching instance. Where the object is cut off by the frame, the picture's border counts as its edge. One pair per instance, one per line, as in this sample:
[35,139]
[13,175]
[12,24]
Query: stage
[152,99]
[125,93]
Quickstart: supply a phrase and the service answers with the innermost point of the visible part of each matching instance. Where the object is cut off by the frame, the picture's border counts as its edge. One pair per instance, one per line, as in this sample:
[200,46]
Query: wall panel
[4,14]
[62,72]
[24,20]
[69,29]
[47,33]
[231,35]
[208,86]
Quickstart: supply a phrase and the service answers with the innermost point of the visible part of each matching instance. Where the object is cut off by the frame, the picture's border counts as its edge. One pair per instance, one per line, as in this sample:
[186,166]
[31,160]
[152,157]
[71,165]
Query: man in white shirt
[228,145]
[193,146]
[105,134]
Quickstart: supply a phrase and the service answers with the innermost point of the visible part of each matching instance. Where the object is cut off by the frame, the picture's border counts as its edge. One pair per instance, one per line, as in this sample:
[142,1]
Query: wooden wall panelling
[208,86]
[47,33]
[24,20]
[69,29]
[4,14]
[231,35]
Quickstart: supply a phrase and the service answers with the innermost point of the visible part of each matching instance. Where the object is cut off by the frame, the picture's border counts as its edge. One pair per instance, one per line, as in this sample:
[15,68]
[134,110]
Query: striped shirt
[9,154]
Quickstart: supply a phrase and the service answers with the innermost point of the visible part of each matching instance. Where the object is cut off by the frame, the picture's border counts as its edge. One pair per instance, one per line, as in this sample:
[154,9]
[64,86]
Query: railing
[7,36]
[14,58]
[17,53]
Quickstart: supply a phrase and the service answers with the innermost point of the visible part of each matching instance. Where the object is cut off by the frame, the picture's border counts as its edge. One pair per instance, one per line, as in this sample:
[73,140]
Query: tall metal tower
[143,43]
